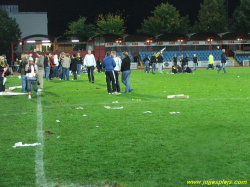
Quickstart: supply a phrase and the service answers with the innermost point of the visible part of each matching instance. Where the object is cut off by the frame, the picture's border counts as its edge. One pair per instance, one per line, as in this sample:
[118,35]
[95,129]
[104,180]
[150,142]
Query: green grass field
[208,141]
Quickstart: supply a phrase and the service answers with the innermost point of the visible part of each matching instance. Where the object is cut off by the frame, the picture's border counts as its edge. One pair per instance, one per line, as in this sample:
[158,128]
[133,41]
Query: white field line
[39,165]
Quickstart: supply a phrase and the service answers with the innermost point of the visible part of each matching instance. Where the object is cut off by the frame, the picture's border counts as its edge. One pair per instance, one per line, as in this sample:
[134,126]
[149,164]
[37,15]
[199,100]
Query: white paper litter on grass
[79,108]
[20,144]
[178,96]
[147,112]
[114,108]
[174,112]
[13,88]
[57,121]
[12,93]
[84,115]
[115,102]
[97,126]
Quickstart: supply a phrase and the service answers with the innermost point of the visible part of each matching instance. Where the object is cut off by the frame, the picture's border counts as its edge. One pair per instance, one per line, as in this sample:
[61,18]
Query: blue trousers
[125,80]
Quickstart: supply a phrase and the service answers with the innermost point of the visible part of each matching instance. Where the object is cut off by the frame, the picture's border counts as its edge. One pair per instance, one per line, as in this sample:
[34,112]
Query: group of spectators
[183,67]
[33,70]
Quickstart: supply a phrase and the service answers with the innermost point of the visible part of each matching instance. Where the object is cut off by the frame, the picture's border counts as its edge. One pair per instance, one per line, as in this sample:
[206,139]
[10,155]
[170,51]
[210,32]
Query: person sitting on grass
[179,69]
[174,70]
[187,69]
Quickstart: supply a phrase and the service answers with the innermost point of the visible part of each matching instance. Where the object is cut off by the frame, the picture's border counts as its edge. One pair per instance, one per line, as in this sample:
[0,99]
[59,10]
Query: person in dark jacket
[153,62]
[187,69]
[183,62]
[175,59]
[223,61]
[126,72]
[109,64]
[73,66]
[47,66]
[98,65]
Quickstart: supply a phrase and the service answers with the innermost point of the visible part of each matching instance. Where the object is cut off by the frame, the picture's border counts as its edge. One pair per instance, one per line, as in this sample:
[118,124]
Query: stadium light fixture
[45,41]
[31,41]
[74,40]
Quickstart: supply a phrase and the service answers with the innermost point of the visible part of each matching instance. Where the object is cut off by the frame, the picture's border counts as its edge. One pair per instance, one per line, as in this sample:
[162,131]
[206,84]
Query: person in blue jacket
[109,64]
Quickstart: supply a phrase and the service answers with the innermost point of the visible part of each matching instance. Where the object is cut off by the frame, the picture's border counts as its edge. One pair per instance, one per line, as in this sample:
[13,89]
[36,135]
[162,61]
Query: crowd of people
[183,60]
[34,70]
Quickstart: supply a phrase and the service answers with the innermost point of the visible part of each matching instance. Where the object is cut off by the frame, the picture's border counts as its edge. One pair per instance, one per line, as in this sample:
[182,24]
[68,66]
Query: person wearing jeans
[79,64]
[146,61]
[125,69]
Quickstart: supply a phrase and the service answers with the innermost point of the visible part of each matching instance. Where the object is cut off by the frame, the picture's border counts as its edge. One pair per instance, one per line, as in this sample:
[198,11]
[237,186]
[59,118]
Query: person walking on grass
[31,76]
[90,63]
[109,64]
[223,61]
[126,72]
[40,67]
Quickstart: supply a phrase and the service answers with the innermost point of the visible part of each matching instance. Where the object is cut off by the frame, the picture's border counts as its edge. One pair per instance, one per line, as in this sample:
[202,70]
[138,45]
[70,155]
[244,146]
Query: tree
[212,17]
[241,17]
[165,19]
[111,24]
[80,27]
[9,32]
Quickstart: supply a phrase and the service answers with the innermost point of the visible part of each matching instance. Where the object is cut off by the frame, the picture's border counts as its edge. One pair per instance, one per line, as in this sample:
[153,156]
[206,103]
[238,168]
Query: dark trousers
[117,85]
[110,77]
[52,73]
[91,74]
[2,86]
[74,73]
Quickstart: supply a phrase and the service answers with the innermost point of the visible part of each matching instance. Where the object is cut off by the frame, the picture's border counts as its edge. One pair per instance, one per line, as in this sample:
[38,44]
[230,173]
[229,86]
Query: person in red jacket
[52,67]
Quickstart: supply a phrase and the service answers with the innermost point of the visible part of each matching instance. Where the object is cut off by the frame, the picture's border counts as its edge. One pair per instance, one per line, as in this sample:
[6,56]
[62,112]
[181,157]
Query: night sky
[61,12]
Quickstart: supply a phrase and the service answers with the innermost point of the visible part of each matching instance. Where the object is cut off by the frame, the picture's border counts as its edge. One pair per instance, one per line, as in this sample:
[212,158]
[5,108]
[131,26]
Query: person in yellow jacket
[210,62]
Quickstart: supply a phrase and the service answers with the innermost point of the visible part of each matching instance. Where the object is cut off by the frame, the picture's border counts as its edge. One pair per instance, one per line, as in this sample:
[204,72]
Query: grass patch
[208,140]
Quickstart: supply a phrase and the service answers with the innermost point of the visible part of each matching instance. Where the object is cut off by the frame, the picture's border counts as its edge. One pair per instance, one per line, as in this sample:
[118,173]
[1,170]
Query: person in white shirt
[117,69]
[90,63]
[56,62]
